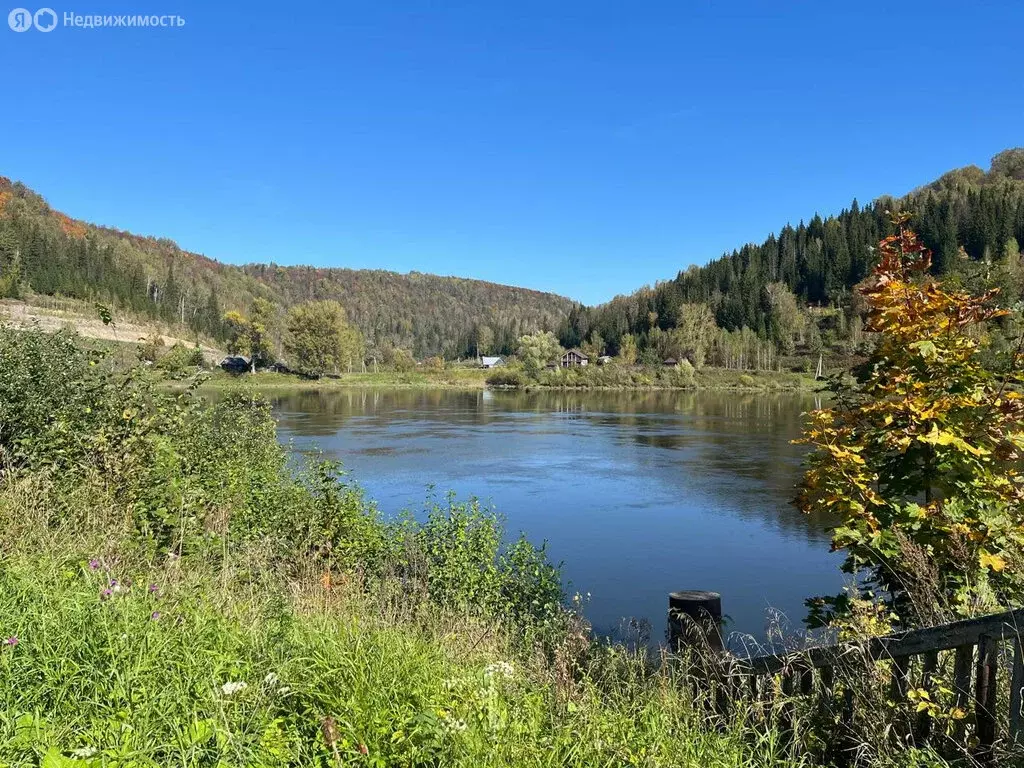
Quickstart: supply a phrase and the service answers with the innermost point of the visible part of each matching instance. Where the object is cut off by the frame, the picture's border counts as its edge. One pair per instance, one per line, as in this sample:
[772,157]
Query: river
[636,493]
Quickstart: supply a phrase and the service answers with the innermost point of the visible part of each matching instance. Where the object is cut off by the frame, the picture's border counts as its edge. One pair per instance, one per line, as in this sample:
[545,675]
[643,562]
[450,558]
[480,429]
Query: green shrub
[152,348]
[506,377]
[457,553]
[746,380]
[52,398]
[181,359]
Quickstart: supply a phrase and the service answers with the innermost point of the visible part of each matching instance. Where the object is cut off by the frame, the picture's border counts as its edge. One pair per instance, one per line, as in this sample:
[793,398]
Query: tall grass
[124,658]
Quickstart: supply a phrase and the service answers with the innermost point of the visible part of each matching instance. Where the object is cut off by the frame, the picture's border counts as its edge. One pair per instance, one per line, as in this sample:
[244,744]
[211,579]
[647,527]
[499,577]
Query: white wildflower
[84,752]
[453,724]
[499,669]
[231,688]
[271,680]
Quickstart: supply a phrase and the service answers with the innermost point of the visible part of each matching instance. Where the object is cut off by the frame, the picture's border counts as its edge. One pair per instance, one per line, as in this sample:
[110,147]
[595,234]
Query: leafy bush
[51,398]
[181,359]
[152,348]
[458,554]
[921,456]
[746,380]
[680,376]
[506,377]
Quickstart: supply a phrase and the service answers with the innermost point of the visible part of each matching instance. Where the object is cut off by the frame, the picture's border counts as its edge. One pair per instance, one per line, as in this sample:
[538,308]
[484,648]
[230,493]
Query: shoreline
[475,380]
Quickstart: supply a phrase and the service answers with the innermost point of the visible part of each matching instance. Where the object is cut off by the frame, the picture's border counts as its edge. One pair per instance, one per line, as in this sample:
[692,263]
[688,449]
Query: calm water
[638,494]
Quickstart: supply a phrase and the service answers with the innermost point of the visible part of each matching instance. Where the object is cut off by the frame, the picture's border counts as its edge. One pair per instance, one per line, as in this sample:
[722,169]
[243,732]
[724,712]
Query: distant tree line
[973,221]
[45,252]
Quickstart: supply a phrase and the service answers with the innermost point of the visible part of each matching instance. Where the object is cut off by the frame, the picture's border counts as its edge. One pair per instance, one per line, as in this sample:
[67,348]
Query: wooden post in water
[695,616]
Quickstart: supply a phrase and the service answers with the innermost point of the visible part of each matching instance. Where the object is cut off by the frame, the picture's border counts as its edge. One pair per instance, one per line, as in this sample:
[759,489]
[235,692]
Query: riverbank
[452,378]
[707,379]
[176,590]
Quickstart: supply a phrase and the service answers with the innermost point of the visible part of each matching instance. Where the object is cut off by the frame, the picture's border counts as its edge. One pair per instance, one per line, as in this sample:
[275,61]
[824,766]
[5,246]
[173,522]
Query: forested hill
[46,252]
[968,217]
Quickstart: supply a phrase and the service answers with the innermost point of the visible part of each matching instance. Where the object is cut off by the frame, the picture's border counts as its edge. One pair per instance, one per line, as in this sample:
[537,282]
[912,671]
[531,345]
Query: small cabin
[235,364]
[491,362]
[573,358]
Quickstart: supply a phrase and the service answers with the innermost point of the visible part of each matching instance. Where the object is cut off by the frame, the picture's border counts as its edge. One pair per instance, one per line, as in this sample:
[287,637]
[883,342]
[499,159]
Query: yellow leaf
[995,562]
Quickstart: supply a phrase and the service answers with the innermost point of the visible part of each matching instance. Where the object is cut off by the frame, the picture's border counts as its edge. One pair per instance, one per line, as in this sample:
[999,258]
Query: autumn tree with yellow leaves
[920,458]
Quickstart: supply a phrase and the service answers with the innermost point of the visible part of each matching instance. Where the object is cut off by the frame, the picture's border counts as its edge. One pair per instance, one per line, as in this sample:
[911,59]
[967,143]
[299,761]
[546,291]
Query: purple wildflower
[12,640]
[155,615]
[153,589]
[113,583]
[105,594]
[94,565]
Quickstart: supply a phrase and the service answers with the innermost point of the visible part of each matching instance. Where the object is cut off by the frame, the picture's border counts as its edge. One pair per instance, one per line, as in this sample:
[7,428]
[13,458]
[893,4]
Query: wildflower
[154,616]
[94,564]
[84,752]
[456,725]
[105,594]
[12,641]
[115,586]
[499,669]
[231,688]
[271,679]
[363,749]
[153,589]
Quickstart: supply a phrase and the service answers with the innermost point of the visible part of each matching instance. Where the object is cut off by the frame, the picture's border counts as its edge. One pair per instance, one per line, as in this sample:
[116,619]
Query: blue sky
[586,148]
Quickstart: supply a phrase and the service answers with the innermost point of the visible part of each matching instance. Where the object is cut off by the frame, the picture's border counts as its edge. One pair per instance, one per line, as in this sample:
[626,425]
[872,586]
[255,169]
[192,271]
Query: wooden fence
[915,656]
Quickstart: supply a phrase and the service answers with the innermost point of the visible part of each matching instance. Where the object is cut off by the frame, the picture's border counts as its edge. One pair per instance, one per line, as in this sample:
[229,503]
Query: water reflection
[638,493]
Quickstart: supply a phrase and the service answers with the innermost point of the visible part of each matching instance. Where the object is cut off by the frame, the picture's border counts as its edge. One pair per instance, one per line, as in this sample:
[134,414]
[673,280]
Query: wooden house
[573,358]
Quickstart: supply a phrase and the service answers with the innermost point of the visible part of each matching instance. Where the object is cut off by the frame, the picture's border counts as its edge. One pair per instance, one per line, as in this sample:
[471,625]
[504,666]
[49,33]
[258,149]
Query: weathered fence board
[915,642]
[796,669]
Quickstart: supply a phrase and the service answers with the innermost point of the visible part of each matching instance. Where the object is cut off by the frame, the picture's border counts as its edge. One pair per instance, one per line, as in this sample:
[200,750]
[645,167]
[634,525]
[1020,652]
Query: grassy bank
[615,377]
[472,378]
[225,662]
[450,378]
